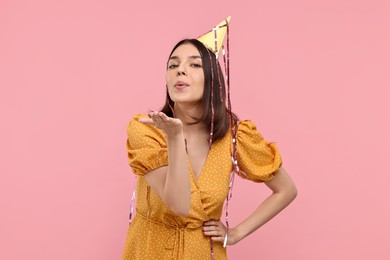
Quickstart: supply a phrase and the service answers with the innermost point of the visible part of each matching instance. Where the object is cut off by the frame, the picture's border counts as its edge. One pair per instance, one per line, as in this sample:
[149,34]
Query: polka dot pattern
[158,233]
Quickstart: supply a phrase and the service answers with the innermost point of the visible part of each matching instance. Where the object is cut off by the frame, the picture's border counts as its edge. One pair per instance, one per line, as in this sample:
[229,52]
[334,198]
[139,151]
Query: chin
[181,98]
[186,101]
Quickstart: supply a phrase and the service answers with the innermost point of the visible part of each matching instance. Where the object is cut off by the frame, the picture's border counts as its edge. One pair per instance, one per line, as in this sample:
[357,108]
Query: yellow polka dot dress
[156,232]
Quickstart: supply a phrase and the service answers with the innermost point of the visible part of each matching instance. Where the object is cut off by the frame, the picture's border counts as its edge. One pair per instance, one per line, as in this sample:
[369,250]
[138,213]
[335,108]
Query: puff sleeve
[146,147]
[258,158]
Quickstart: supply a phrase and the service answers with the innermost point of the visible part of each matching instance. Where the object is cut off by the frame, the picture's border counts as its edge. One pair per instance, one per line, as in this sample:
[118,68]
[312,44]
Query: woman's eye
[196,65]
[172,66]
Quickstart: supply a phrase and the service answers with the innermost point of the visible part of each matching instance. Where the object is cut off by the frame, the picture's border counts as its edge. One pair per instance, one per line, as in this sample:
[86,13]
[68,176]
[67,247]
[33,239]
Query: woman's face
[185,77]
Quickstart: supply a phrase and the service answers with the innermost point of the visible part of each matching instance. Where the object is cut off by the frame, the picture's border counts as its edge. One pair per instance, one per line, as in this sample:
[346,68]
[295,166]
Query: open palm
[169,125]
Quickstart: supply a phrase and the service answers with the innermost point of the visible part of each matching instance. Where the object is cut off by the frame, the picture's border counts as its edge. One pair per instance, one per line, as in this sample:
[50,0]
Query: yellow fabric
[258,158]
[158,233]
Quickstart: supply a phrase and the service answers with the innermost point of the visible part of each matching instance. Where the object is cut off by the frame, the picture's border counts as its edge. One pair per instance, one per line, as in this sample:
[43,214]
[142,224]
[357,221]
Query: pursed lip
[181,84]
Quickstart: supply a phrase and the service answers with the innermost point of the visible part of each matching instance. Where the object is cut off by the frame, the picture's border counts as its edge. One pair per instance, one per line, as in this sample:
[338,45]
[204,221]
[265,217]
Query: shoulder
[146,146]
[138,132]
[251,142]
[257,157]
[247,130]
[135,126]
[134,123]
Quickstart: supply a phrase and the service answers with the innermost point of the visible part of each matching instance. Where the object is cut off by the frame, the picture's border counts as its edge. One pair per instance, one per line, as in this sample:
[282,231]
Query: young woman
[182,156]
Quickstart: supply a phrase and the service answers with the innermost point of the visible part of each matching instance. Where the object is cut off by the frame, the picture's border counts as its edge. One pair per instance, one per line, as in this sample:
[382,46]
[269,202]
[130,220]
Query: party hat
[214,38]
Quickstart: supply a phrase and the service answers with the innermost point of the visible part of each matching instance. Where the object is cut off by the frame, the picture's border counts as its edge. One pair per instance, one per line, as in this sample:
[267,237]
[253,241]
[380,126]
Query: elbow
[288,193]
[292,192]
[295,193]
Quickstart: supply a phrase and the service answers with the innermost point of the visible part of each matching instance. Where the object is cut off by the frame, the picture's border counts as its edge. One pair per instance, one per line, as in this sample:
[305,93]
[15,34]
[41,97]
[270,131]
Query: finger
[211,228]
[152,113]
[211,223]
[153,117]
[213,233]
[146,121]
[162,116]
[158,118]
[165,118]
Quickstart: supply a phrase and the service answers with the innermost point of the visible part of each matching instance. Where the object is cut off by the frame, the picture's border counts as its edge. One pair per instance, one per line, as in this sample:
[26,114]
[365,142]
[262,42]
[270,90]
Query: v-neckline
[197,180]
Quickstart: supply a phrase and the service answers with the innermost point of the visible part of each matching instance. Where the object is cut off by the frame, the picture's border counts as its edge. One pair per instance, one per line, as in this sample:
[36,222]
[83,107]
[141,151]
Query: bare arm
[172,182]
[283,193]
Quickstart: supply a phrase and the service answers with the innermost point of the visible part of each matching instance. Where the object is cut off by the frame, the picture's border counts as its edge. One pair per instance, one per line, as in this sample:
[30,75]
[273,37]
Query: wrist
[175,135]
[235,235]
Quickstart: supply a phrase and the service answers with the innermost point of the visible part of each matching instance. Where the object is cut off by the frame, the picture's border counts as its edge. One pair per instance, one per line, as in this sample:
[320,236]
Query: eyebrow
[191,57]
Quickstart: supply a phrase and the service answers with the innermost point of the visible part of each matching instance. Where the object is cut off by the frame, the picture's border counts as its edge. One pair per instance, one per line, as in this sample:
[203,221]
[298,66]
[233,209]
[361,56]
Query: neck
[188,114]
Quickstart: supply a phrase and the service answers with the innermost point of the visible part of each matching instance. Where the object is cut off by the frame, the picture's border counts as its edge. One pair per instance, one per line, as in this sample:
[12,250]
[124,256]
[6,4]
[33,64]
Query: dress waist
[175,240]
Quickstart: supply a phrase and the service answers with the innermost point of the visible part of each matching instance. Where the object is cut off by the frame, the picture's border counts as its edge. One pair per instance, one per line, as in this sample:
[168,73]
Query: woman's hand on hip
[217,231]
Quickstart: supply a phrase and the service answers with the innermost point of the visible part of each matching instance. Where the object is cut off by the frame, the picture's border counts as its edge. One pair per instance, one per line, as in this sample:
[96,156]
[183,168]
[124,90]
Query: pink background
[313,75]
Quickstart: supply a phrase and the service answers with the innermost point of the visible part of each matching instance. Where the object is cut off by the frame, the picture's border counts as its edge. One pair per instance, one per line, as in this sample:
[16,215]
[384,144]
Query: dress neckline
[197,180]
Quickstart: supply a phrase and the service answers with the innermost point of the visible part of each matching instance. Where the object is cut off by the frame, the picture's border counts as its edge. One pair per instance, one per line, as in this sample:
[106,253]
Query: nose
[181,71]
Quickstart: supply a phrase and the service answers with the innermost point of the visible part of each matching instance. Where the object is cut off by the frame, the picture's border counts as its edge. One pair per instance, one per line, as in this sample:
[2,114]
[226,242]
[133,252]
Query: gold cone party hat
[213,39]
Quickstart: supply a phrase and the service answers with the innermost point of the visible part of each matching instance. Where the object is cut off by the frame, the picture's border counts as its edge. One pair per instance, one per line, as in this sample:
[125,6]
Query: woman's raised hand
[170,125]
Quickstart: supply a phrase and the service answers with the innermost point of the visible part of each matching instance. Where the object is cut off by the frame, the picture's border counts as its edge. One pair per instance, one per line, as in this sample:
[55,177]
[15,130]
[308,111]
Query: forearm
[268,209]
[177,188]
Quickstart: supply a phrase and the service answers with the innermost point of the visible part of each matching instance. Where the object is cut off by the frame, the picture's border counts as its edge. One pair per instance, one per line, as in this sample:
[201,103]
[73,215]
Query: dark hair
[212,70]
